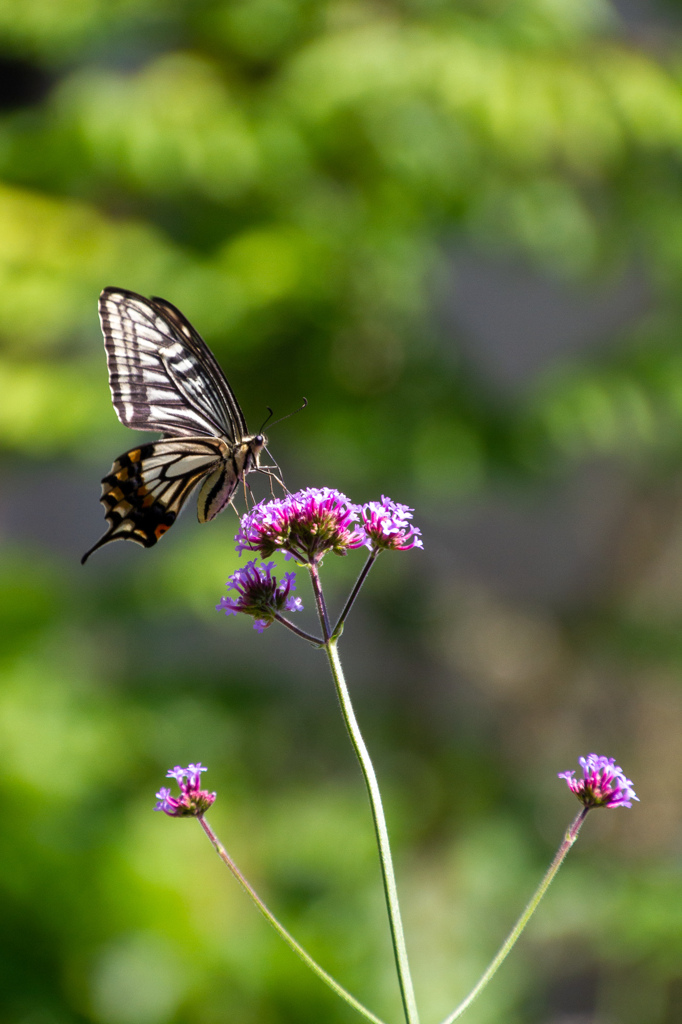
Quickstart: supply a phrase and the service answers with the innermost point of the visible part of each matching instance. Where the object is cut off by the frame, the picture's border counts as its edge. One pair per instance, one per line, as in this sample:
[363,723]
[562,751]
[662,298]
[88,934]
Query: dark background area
[456,228]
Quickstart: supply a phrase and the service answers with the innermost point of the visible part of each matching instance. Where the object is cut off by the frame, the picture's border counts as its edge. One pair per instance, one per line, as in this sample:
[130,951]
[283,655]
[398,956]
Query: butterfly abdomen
[220,485]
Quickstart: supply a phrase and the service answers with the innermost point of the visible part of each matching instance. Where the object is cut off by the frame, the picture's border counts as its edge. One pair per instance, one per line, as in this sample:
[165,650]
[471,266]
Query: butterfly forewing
[162,374]
[218,395]
[164,377]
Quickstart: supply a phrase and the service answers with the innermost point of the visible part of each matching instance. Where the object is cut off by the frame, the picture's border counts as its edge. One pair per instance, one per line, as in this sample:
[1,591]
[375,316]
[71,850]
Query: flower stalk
[314,640]
[306,526]
[514,935]
[320,602]
[603,785]
[281,930]
[379,818]
[338,628]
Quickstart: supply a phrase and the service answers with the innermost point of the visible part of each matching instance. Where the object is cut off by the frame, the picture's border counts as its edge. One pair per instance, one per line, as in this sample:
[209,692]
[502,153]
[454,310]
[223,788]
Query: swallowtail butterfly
[164,377]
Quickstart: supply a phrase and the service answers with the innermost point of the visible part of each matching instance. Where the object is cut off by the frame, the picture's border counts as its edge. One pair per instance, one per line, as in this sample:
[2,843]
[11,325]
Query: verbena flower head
[387,526]
[603,783]
[305,526]
[193,801]
[259,594]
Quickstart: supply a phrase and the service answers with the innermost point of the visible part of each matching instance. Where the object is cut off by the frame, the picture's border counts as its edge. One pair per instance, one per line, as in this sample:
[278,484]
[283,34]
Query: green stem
[354,592]
[569,839]
[397,936]
[281,930]
[320,601]
[314,640]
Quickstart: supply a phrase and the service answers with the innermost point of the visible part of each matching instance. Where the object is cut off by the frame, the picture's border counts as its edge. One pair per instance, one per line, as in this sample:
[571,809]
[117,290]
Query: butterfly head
[255,446]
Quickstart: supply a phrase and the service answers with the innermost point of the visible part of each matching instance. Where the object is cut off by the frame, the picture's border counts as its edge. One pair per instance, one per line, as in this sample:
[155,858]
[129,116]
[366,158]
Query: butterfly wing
[147,487]
[162,374]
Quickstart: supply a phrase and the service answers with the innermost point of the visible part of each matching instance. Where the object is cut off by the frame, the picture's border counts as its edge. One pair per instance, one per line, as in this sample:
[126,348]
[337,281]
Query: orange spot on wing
[122,474]
[134,456]
[160,530]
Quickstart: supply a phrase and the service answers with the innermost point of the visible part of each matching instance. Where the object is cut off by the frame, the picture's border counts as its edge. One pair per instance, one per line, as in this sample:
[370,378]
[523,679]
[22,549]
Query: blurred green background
[456,228]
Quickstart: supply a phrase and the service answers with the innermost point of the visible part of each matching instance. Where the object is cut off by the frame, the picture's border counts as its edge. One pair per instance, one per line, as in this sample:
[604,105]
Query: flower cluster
[603,783]
[387,526]
[305,526]
[308,524]
[193,801]
[260,595]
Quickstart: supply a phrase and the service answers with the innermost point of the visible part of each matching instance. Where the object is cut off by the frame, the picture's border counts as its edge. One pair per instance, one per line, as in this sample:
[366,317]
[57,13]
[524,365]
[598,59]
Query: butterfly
[164,377]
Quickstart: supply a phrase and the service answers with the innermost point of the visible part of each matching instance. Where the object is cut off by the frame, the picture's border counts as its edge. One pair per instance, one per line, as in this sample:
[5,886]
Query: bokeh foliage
[301,178]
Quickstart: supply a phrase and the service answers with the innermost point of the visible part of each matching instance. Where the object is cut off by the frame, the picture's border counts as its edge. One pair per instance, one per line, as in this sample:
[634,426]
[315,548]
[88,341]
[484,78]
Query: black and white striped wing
[147,487]
[162,374]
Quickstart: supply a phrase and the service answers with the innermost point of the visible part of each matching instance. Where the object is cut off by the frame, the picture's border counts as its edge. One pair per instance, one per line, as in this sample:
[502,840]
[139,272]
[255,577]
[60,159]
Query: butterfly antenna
[300,409]
[267,419]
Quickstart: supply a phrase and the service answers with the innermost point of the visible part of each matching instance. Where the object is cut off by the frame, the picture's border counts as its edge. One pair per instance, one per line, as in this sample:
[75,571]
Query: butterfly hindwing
[147,487]
[217,489]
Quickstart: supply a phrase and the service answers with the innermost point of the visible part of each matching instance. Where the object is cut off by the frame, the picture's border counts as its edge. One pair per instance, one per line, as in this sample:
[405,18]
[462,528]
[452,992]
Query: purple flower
[193,801]
[387,526]
[603,783]
[260,595]
[305,526]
